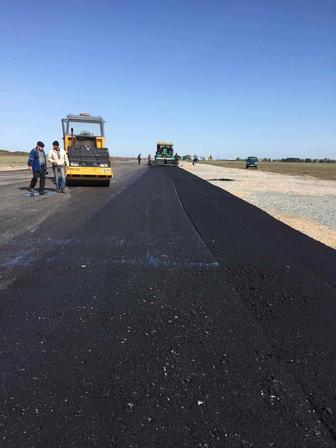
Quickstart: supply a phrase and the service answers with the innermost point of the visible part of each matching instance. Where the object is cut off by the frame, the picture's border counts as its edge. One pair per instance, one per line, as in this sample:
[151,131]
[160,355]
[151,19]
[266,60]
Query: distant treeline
[297,159]
[4,152]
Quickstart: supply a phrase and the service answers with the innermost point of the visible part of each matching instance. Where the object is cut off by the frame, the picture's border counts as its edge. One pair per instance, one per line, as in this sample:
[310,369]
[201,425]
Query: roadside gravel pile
[304,203]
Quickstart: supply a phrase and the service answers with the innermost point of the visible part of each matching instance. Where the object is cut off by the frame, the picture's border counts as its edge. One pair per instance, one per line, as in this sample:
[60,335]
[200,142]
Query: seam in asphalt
[299,260]
[196,232]
[314,406]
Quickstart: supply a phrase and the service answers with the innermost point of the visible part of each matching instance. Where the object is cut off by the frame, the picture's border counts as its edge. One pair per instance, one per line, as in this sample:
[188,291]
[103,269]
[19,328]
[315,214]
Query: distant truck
[252,162]
[165,154]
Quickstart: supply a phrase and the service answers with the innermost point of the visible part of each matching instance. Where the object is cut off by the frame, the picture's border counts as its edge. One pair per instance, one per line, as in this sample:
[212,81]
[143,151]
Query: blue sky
[228,78]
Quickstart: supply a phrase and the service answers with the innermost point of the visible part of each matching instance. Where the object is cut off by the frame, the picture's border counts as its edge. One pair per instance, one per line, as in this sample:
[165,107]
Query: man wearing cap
[59,159]
[37,163]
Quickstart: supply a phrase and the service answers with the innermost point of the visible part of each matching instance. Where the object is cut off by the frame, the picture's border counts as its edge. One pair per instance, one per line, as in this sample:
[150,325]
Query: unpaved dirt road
[162,312]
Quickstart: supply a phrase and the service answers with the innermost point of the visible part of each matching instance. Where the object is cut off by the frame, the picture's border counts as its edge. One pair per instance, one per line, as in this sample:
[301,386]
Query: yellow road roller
[84,142]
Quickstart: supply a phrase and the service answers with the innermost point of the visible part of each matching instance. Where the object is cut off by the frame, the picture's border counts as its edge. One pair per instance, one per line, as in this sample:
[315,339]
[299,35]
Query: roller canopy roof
[85,117]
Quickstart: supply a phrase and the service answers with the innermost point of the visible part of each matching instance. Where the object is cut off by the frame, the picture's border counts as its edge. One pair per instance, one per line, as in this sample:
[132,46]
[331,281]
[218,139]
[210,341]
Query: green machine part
[167,151]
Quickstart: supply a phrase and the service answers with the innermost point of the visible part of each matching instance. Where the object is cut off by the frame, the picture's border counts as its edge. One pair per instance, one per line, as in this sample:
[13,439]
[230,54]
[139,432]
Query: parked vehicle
[252,162]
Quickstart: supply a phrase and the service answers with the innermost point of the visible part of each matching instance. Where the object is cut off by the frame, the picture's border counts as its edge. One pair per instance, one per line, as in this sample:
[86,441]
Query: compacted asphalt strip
[174,315]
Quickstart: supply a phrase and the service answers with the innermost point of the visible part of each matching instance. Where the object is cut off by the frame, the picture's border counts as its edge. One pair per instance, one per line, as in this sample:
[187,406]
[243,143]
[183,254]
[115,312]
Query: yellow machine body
[84,142]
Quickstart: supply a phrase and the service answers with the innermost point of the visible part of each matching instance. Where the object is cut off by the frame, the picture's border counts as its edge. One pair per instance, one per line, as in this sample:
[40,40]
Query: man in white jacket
[59,160]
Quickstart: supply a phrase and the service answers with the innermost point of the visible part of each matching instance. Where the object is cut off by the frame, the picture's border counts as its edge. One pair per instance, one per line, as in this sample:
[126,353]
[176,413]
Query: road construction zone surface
[161,312]
[303,202]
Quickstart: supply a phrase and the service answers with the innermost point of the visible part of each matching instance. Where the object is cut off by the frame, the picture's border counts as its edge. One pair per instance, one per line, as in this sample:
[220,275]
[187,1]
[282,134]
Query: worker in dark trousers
[37,163]
[149,158]
[139,159]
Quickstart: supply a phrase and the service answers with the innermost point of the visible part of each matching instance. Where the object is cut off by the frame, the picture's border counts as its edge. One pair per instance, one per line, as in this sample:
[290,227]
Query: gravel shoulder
[12,167]
[304,203]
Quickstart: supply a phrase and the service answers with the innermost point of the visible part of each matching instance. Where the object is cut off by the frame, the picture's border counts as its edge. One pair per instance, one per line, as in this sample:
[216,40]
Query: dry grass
[21,160]
[326,171]
[13,160]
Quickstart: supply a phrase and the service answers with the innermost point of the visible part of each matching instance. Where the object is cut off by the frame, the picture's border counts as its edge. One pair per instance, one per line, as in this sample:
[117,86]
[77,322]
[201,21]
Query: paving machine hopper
[84,142]
[165,154]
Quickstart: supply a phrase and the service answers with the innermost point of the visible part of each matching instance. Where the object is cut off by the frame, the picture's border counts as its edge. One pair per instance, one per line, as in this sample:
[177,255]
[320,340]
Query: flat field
[326,171]
[12,162]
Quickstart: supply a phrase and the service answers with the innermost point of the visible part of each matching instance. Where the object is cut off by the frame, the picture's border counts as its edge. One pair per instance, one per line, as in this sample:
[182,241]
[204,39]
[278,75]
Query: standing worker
[149,159]
[53,167]
[139,159]
[37,163]
[59,160]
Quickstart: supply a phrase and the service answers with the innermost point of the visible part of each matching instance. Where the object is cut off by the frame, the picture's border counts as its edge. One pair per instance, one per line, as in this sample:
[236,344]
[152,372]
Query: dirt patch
[222,179]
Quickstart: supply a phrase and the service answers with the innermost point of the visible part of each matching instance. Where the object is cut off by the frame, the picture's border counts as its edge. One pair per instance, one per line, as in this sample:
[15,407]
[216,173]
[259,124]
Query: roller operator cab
[84,142]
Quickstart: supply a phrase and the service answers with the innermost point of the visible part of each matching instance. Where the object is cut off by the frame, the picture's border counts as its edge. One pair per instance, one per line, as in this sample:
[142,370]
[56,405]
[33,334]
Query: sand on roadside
[12,167]
[304,203]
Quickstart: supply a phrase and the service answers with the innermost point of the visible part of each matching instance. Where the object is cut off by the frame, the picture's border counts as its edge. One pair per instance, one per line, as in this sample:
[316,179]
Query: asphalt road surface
[161,312]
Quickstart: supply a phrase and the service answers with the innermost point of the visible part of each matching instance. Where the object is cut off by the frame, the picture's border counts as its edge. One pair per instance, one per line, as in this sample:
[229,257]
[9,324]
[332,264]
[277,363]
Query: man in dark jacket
[37,163]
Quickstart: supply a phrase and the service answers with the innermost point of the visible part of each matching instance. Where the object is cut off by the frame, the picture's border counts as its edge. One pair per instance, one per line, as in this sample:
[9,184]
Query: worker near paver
[149,158]
[53,167]
[59,160]
[139,159]
[37,163]
[54,170]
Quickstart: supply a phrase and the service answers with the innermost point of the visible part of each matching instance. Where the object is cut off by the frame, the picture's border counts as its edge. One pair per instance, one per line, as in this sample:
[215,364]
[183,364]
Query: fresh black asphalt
[174,315]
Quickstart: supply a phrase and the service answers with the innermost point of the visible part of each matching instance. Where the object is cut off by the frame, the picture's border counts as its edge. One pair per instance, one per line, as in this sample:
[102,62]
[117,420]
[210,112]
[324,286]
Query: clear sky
[228,78]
